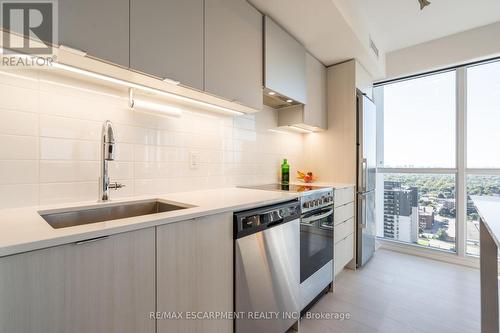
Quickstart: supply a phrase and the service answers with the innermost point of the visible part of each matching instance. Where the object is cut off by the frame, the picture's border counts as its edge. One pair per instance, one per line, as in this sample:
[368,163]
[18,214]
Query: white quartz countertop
[23,229]
[488,208]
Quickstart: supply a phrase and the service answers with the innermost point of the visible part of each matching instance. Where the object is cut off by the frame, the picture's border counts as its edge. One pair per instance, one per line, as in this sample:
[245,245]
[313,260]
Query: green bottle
[285,172]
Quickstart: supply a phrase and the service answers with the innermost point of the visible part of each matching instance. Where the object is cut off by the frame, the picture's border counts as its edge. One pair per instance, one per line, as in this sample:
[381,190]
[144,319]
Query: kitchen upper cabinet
[166,39]
[233,51]
[195,272]
[284,63]
[105,285]
[100,28]
[314,113]
[315,109]
[364,80]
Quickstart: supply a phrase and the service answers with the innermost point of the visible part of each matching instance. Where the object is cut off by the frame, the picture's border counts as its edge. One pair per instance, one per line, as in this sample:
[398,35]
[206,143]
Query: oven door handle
[314,218]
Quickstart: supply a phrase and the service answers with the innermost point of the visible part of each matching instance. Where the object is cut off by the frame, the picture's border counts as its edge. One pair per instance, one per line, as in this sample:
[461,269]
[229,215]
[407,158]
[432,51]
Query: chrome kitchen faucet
[108,154]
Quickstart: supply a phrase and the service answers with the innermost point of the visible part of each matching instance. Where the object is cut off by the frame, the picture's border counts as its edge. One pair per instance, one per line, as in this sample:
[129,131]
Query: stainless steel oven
[316,245]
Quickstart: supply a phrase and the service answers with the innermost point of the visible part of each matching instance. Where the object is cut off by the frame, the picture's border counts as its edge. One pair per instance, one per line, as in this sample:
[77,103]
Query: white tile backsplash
[19,195]
[54,193]
[15,147]
[69,128]
[18,172]
[68,171]
[18,122]
[18,98]
[50,144]
[66,149]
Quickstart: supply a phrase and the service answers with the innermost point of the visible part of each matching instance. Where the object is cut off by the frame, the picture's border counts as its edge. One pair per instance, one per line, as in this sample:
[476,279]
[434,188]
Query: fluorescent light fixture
[289,101]
[272,93]
[300,129]
[144,88]
[144,105]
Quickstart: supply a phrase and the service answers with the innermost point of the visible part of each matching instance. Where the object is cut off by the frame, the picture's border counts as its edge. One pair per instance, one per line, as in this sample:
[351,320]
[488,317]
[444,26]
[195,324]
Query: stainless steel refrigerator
[366,179]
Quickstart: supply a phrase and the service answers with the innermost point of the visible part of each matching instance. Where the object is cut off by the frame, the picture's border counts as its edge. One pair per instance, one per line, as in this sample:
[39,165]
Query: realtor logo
[33,19]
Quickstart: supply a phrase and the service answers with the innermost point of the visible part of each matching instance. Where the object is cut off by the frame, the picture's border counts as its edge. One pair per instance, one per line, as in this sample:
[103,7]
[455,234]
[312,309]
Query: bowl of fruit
[306,177]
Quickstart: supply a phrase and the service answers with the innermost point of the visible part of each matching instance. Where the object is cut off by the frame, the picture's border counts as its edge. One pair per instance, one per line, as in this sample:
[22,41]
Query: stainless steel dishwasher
[267,268]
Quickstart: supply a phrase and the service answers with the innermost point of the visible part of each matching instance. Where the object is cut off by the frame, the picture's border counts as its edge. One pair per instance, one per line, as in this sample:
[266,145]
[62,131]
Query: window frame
[461,171]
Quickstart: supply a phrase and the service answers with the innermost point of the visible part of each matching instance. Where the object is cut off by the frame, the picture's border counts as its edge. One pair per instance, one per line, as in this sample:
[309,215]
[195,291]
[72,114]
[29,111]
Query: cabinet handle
[91,240]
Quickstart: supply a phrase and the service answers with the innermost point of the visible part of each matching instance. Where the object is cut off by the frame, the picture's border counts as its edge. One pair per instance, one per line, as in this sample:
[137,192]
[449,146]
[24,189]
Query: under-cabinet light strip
[135,103]
[300,129]
[143,88]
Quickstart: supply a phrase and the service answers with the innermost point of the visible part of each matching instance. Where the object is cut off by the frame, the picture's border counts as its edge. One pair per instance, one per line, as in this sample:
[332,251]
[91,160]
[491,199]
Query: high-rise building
[400,212]
[426,218]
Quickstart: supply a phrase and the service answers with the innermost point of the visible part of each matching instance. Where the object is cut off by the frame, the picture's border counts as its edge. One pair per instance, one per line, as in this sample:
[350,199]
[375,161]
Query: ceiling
[324,30]
[338,30]
[396,24]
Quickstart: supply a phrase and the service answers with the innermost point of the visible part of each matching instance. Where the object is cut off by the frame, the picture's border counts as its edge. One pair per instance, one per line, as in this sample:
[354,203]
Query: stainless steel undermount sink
[86,215]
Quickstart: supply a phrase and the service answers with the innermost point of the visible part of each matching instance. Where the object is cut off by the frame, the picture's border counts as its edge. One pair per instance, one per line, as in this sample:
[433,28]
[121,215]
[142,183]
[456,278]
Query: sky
[420,118]
[483,116]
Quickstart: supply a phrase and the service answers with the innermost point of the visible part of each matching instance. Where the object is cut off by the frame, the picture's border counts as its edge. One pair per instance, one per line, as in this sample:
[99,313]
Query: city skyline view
[419,131]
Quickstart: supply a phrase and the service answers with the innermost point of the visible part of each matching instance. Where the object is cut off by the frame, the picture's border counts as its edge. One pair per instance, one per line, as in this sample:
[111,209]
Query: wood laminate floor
[401,293]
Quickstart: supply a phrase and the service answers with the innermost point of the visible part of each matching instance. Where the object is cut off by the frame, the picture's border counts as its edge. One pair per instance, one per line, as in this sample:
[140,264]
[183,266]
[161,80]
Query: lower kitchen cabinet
[105,285]
[195,273]
[343,253]
[344,228]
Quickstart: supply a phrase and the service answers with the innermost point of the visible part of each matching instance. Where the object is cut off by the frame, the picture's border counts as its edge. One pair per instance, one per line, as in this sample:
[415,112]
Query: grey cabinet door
[233,51]
[166,39]
[100,28]
[103,286]
[315,109]
[285,62]
[195,272]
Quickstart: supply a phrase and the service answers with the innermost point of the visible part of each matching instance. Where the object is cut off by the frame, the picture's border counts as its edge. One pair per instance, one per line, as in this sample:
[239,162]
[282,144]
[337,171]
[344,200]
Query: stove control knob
[305,205]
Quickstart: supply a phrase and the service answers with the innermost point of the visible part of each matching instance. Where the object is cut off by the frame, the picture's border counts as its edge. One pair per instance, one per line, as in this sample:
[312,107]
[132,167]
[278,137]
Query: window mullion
[461,144]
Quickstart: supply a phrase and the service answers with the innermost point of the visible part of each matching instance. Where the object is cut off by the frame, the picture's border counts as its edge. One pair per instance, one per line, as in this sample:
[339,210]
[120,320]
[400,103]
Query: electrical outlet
[194,159]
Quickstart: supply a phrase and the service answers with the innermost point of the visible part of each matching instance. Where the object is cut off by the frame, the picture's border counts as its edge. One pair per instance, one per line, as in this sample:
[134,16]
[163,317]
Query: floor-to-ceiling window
[417,167]
[437,137]
[483,139]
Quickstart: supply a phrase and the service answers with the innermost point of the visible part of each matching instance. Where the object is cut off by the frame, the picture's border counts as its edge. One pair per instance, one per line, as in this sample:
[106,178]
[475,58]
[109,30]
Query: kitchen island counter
[488,208]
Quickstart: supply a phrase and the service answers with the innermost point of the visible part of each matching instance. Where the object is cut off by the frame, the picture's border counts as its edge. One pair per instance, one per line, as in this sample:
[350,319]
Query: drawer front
[348,249]
[344,195]
[343,213]
[343,253]
[343,230]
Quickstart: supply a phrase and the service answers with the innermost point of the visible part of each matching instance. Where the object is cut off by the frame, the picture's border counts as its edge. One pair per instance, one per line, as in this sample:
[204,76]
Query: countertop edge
[476,200]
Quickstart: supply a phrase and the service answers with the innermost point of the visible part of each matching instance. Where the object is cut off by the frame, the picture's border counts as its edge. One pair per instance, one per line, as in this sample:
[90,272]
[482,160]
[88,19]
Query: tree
[442,235]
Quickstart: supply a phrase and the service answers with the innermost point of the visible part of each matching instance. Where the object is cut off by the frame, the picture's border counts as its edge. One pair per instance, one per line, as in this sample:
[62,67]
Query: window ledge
[436,254]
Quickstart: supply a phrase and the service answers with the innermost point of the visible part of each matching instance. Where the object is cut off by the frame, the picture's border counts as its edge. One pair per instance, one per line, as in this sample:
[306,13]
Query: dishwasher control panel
[255,220]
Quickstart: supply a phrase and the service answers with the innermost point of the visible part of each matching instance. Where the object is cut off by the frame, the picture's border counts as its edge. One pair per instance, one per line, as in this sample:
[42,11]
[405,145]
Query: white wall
[476,44]
[50,150]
